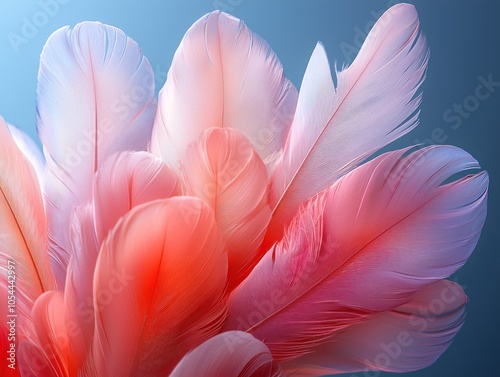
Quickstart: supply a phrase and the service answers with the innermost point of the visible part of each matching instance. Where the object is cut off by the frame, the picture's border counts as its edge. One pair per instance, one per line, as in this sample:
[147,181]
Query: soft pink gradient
[237,227]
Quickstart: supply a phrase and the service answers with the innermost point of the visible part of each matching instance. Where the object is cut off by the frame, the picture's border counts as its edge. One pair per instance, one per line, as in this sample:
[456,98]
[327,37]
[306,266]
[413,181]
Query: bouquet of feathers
[235,227]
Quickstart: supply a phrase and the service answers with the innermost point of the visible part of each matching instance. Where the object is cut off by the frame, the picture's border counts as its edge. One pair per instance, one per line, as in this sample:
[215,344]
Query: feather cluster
[236,227]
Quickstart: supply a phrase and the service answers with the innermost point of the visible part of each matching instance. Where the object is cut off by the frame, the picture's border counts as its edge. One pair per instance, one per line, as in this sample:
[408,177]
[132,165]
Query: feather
[335,129]
[23,239]
[30,151]
[407,338]
[363,246]
[52,338]
[232,353]
[123,182]
[78,296]
[223,75]
[33,362]
[224,170]
[158,288]
[95,97]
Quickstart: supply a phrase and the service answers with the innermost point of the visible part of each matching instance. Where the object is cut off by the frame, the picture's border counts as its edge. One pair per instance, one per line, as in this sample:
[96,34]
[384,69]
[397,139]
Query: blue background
[464,37]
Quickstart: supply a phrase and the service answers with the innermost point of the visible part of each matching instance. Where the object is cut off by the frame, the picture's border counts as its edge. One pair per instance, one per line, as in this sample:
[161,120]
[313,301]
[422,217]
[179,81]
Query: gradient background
[464,38]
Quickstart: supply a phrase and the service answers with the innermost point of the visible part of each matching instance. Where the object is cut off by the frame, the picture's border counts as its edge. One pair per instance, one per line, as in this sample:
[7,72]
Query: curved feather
[33,362]
[51,333]
[363,246]
[336,128]
[158,288]
[407,338]
[232,353]
[123,182]
[223,75]
[95,97]
[23,225]
[78,297]
[127,180]
[224,170]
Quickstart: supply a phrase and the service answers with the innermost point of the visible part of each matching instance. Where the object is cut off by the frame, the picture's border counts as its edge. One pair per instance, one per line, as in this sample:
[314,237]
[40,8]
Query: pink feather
[23,226]
[409,337]
[33,362]
[223,75]
[337,128]
[78,296]
[232,353]
[95,98]
[158,288]
[363,246]
[291,248]
[51,334]
[224,170]
[123,182]
[30,151]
